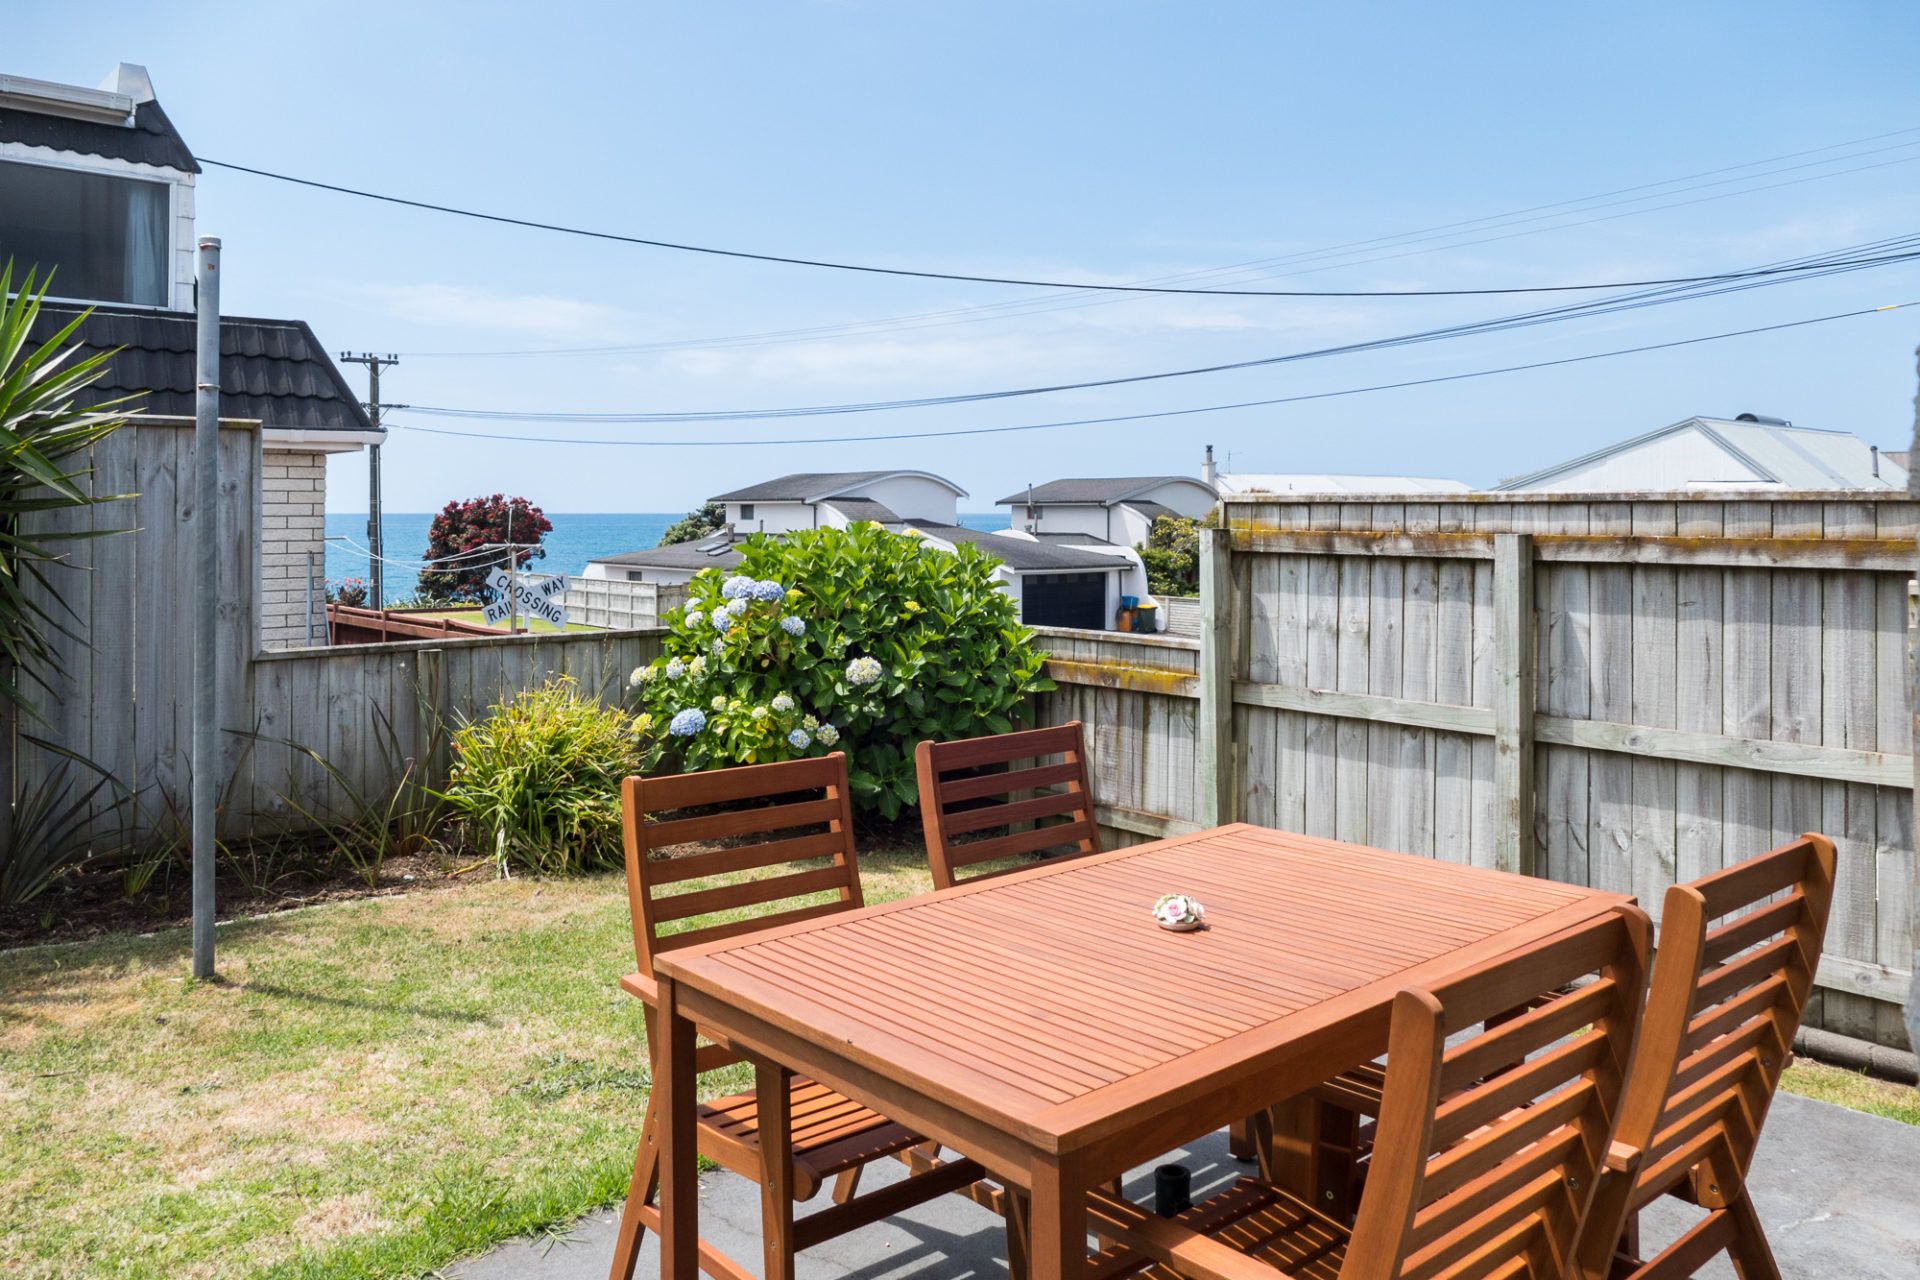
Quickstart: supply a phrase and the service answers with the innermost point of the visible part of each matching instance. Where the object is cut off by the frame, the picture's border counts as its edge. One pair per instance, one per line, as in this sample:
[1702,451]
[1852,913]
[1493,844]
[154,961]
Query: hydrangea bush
[858,640]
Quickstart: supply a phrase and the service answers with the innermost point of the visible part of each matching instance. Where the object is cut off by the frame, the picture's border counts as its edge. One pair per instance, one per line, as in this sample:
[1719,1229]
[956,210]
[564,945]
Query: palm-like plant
[41,432]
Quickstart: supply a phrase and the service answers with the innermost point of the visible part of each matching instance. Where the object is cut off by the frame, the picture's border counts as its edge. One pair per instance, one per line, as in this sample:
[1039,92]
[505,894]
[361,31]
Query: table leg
[772,1085]
[1057,1220]
[679,1180]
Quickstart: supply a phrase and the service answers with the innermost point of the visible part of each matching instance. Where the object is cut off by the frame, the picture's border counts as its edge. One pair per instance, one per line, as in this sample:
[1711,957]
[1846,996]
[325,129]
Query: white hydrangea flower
[695,617]
[719,702]
[676,669]
[698,665]
[828,735]
[639,676]
[782,703]
[864,671]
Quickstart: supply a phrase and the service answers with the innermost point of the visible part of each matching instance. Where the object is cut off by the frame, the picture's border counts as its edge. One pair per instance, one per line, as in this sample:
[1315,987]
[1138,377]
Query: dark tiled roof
[272,370]
[863,509]
[714,551]
[1075,539]
[1100,489]
[151,139]
[1018,553]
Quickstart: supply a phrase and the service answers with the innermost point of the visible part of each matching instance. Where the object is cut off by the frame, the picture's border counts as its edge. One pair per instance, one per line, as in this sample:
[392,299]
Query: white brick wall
[293,504]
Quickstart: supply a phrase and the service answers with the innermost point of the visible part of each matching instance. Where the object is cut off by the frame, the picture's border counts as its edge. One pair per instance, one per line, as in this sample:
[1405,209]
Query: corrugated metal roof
[150,139]
[1769,454]
[813,486]
[714,551]
[1104,490]
[274,371]
[1329,483]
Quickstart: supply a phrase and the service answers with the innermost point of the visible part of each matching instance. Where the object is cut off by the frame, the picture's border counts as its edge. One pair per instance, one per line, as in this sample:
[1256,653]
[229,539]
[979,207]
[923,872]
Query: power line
[868,269]
[1816,265]
[1258,268]
[704,442]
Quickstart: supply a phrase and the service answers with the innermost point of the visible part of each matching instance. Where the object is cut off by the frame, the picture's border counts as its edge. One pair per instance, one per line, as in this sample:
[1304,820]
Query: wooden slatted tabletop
[1045,1025]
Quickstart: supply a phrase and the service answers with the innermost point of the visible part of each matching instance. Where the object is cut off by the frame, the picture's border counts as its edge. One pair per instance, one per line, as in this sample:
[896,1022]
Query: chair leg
[640,1192]
[775,1108]
[846,1184]
[1751,1255]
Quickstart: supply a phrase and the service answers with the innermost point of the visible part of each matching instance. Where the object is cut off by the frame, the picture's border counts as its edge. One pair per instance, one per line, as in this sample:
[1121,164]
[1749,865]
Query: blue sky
[1102,141]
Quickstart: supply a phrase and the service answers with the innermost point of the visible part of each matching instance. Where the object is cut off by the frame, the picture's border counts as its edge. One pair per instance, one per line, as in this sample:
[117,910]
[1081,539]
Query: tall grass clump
[537,782]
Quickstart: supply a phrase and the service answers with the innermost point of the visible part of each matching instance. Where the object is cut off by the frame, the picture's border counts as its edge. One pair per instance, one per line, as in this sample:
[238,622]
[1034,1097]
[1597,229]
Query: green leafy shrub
[538,781]
[857,640]
[1172,556]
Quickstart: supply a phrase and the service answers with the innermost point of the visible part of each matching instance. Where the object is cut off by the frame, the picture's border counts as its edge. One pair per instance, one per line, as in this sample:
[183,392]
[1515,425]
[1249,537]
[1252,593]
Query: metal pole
[206,671]
[309,598]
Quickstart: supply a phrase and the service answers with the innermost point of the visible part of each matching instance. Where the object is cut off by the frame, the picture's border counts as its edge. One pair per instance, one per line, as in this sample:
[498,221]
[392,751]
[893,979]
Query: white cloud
[543,316]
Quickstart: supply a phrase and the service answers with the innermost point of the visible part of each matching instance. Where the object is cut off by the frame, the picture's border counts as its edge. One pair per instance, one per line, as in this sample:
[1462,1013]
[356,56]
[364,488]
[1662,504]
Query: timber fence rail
[1611,691]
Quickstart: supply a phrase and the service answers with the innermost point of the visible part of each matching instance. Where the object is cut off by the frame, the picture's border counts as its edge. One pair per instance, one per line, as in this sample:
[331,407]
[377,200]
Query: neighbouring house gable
[96,187]
[1719,452]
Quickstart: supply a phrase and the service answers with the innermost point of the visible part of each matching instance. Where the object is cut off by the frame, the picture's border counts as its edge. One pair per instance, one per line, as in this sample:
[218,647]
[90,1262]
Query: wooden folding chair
[1491,1146]
[1722,1009]
[968,807]
[808,823]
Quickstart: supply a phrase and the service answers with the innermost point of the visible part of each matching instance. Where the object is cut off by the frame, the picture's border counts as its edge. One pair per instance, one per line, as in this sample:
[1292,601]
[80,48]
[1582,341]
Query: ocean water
[577,537]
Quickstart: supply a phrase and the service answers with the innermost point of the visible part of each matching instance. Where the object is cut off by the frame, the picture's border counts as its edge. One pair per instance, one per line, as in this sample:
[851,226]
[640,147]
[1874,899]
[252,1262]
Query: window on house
[746,511]
[103,237]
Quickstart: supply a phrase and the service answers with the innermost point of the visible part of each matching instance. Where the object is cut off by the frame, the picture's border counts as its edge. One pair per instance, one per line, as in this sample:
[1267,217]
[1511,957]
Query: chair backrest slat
[790,815]
[1487,1152]
[973,806]
[1735,968]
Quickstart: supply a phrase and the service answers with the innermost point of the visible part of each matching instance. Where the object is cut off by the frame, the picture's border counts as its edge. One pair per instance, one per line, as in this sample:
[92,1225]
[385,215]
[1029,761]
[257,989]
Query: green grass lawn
[375,1088]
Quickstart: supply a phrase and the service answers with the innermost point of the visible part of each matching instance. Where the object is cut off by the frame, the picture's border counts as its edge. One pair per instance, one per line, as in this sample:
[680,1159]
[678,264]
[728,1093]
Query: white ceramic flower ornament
[1179,912]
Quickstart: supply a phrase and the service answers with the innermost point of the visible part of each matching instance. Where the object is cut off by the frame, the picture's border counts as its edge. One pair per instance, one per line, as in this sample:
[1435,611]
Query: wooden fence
[380,714]
[1614,692]
[603,602]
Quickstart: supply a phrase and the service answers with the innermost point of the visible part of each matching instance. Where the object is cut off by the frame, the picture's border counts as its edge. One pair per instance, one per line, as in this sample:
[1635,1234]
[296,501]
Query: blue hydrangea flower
[721,619]
[736,586]
[687,723]
[799,739]
[676,669]
[782,703]
[719,647]
[695,617]
[829,735]
[767,592]
[793,626]
[863,671]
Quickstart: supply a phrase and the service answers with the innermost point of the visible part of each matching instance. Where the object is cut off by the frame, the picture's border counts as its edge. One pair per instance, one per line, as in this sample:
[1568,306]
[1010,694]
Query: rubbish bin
[1146,617]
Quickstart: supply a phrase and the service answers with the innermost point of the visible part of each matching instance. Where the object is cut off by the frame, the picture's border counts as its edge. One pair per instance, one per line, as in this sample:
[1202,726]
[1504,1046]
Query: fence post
[1218,802]
[430,702]
[1513,673]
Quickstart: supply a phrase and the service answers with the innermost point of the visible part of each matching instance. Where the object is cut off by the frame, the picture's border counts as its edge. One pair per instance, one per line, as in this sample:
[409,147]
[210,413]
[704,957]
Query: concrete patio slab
[1839,1191]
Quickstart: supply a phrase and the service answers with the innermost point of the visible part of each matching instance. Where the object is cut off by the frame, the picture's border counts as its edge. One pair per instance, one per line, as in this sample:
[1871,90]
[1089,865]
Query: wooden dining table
[1043,1023]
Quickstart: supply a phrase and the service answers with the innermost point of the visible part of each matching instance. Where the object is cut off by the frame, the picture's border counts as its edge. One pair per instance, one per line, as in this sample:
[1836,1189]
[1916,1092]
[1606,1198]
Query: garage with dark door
[1064,600]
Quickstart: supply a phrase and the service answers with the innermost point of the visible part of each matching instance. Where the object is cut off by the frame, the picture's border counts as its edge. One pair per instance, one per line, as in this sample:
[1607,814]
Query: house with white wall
[1060,578]
[1113,509]
[1748,451]
[97,187]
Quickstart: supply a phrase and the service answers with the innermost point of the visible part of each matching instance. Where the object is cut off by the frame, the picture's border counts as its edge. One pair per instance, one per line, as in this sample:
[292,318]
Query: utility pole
[206,611]
[373,406]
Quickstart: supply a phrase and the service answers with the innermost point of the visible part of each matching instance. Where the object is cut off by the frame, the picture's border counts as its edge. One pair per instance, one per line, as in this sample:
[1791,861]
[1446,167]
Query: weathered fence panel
[380,714]
[126,642]
[1618,691]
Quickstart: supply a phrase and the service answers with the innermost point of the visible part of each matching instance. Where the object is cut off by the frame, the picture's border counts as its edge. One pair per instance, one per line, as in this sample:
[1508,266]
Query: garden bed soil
[89,905]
